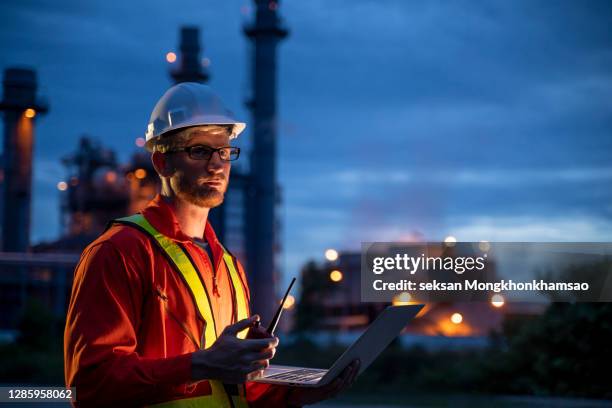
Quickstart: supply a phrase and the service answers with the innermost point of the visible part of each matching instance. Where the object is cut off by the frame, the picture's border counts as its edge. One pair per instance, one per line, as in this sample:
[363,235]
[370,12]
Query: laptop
[387,326]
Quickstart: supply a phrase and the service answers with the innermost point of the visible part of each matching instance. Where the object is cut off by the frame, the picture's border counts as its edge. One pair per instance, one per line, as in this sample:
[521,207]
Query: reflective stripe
[240,293]
[218,397]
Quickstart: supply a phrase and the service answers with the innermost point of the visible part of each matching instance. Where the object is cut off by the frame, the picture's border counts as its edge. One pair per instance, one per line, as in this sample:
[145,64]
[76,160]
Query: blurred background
[386,121]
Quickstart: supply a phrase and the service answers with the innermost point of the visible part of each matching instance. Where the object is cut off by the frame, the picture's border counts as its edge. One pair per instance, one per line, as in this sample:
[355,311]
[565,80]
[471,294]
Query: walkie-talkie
[256,331]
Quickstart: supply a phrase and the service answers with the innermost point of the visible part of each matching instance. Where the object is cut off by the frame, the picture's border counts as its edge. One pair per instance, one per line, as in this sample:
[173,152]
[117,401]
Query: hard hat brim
[238,127]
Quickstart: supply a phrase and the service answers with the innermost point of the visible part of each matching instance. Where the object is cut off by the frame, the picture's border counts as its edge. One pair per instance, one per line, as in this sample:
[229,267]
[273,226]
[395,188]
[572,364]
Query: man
[159,308]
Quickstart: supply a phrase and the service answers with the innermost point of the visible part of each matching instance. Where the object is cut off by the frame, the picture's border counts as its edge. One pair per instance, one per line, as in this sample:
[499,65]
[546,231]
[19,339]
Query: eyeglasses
[203,152]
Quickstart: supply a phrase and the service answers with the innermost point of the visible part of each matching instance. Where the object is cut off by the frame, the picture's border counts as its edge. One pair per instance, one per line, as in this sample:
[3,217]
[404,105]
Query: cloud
[471,177]
[533,229]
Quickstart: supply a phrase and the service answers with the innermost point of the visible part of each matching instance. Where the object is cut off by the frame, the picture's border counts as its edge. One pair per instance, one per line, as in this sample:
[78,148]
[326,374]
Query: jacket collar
[161,216]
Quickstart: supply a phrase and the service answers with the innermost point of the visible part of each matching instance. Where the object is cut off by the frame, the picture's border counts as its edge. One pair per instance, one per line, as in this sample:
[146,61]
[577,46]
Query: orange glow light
[171,57]
[62,186]
[140,141]
[110,176]
[402,299]
[456,318]
[140,173]
[289,302]
[30,113]
[335,276]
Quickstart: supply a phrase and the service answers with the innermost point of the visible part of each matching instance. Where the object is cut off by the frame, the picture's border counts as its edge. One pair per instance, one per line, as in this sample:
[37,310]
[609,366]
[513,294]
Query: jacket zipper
[185,329]
[211,262]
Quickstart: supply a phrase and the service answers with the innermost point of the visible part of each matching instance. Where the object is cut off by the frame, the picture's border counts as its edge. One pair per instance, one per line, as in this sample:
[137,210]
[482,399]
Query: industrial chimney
[21,107]
[190,68]
[262,198]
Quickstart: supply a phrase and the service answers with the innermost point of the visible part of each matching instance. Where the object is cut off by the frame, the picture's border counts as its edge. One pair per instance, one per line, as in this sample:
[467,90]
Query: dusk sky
[485,120]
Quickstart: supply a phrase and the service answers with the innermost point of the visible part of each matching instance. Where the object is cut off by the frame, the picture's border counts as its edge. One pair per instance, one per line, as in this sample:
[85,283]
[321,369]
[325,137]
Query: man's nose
[215,164]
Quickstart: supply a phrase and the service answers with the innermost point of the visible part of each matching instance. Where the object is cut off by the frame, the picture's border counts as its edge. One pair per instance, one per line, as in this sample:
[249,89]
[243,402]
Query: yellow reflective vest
[219,396]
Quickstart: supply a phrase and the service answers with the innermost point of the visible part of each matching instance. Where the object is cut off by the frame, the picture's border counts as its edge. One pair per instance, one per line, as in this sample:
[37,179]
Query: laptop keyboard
[303,374]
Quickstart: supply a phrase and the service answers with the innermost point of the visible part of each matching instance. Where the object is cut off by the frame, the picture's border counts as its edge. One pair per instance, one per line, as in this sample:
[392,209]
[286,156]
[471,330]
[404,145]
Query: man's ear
[162,165]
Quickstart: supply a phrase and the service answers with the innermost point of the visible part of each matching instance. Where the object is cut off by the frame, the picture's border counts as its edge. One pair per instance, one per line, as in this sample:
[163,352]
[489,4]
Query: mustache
[207,179]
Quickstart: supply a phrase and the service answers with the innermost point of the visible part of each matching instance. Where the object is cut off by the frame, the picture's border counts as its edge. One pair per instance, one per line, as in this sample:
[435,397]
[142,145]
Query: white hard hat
[189,104]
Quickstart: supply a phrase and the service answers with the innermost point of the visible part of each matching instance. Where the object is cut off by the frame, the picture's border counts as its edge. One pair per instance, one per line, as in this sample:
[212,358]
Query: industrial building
[98,188]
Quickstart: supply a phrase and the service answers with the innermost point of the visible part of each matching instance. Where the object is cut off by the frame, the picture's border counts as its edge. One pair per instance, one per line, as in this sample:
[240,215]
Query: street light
[289,302]
[331,255]
[450,241]
[171,57]
[456,318]
[497,300]
[335,275]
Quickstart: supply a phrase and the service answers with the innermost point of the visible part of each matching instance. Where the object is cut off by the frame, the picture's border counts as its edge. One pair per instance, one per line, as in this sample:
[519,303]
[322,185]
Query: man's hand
[231,359]
[299,396]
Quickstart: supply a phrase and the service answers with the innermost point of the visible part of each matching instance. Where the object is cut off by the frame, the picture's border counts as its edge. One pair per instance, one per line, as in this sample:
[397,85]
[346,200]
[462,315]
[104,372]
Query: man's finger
[241,325]
[335,387]
[258,366]
[352,375]
[259,344]
[255,356]
[345,379]
[354,372]
[253,375]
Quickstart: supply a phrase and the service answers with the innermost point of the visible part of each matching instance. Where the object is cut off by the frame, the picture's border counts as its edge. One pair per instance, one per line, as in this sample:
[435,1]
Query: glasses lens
[200,152]
[234,153]
[225,153]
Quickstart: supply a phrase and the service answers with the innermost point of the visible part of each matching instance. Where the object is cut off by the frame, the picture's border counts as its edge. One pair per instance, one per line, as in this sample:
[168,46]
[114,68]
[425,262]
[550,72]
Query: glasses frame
[213,150]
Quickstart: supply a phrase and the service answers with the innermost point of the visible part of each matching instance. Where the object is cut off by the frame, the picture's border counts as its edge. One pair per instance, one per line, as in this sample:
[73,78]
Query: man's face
[201,182]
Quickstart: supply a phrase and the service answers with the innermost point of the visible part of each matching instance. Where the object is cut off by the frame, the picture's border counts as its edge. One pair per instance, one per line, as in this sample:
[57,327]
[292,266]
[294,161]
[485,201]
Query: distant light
[331,255]
[335,275]
[140,141]
[205,62]
[30,113]
[402,299]
[62,186]
[289,302]
[484,246]
[273,5]
[245,9]
[110,176]
[456,318]
[171,57]
[140,173]
[129,176]
[450,241]
[74,181]
[497,300]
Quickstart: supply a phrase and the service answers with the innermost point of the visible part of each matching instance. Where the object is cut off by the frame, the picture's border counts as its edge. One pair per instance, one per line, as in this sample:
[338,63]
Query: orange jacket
[121,346]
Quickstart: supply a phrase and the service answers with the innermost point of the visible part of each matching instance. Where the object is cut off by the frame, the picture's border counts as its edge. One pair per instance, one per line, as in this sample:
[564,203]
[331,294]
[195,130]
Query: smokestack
[21,107]
[190,68]
[262,199]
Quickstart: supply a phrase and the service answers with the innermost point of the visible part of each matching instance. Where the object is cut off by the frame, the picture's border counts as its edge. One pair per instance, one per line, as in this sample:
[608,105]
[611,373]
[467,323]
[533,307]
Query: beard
[195,193]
